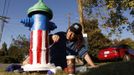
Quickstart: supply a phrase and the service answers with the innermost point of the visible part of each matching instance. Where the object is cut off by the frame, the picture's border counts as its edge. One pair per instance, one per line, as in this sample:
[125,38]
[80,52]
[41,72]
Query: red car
[114,53]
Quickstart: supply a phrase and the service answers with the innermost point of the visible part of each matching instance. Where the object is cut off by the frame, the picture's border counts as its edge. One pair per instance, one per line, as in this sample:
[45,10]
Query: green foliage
[111,14]
[7,59]
[96,39]
[19,48]
[22,42]
[3,50]
[16,52]
[107,16]
[128,42]
[4,55]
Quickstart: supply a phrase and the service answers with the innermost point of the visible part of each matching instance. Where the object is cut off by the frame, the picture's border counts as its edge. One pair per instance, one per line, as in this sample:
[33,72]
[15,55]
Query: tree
[107,16]
[128,42]
[3,50]
[96,39]
[19,48]
[15,53]
[111,14]
[22,43]
[4,57]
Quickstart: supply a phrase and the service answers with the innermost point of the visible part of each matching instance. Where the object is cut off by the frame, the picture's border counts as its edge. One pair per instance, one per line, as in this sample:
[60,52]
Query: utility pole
[69,22]
[3,20]
[80,10]
[81,19]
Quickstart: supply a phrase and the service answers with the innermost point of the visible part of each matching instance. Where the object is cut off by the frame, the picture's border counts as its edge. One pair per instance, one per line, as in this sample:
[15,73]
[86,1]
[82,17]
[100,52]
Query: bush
[7,59]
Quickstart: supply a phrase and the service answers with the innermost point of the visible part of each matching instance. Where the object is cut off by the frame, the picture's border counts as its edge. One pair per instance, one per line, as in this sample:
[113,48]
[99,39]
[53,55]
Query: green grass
[2,67]
[112,68]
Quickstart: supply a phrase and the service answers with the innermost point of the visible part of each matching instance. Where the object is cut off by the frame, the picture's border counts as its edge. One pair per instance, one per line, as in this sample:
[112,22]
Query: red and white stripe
[39,47]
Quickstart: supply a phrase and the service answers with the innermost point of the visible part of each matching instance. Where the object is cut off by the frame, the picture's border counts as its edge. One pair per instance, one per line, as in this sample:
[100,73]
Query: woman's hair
[80,41]
[77,29]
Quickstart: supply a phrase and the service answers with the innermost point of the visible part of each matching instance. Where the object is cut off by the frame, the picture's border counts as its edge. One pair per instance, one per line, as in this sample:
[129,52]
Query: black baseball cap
[76,28]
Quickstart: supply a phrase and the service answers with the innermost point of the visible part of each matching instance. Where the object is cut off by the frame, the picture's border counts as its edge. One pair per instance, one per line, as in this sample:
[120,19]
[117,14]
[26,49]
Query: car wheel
[126,58]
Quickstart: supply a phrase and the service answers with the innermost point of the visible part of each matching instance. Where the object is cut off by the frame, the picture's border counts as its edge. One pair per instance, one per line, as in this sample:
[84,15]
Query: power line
[7,8]
[69,17]
[2,22]
[3,18]
[4,8]
[1,9]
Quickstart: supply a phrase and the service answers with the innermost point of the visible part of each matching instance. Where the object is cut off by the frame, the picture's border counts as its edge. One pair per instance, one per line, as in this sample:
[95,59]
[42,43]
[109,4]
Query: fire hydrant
[38,21]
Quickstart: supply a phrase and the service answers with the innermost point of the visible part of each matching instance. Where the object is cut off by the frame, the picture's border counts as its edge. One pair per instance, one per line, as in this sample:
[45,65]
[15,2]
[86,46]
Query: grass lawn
[115,68]
[2,67]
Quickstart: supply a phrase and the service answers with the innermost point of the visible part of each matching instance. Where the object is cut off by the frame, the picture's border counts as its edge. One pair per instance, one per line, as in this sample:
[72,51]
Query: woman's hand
[55,38]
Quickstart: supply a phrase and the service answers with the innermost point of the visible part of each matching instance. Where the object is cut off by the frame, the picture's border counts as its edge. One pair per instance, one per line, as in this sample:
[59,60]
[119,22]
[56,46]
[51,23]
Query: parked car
[122,52]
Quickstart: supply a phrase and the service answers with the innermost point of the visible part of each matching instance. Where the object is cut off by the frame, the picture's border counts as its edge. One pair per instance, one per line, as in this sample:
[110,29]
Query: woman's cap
[76,28]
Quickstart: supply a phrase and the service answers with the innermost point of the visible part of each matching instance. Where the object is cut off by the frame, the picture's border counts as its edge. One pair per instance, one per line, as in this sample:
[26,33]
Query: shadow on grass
[116,68]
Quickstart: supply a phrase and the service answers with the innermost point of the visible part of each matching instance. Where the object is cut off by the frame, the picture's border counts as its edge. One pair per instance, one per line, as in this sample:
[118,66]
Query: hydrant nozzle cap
[41,8]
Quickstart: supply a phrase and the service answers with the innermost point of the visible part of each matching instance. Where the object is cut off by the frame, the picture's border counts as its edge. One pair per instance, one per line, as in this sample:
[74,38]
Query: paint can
[70,64]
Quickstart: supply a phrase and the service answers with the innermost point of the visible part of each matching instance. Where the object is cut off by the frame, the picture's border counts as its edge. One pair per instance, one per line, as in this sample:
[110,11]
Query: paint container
[70,64]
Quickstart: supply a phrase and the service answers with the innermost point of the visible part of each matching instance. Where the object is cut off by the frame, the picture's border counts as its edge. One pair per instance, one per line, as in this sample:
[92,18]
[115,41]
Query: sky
[17,10]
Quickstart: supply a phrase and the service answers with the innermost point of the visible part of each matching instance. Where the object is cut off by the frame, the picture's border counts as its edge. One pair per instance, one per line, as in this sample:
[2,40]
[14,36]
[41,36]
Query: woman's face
[70,35]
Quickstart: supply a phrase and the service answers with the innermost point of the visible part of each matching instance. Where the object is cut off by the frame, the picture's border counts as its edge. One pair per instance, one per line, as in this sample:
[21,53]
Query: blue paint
[50,72]
[40,22]
[28,22]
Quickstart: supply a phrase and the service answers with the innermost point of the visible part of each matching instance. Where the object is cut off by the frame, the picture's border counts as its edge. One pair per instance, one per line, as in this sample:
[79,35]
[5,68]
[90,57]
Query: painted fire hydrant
[38,22]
